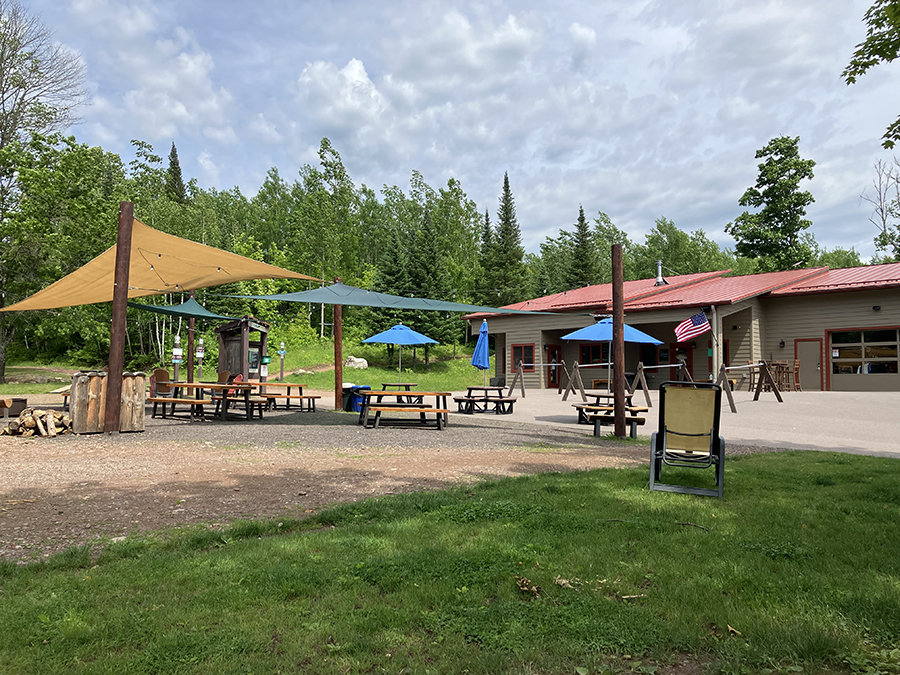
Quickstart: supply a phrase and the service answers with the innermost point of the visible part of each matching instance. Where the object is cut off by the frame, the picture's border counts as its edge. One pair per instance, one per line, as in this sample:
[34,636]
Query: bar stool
[780,375]
[797,386]
[754,375]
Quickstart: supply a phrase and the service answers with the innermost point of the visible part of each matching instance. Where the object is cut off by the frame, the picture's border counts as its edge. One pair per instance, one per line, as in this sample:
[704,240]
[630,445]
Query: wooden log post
[119,308]
[618,294]
[338,334]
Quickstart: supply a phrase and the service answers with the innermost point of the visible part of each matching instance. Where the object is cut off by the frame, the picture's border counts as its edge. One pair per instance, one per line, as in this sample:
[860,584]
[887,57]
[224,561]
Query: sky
[640,109]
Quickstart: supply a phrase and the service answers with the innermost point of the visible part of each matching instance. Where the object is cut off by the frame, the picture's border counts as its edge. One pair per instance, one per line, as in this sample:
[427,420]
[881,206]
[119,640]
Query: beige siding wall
[812,316]
[753,329]
[541,330]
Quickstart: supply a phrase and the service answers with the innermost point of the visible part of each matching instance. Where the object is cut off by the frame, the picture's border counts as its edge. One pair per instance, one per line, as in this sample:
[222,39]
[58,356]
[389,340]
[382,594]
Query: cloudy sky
[640,109]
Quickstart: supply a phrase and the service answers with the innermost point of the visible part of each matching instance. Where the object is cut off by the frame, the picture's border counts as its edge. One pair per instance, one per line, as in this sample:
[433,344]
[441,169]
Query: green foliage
[507,264]
[606,234]
[774,234]
[58,211]
[174,188]
[581,269]
[681,253]
[882,45]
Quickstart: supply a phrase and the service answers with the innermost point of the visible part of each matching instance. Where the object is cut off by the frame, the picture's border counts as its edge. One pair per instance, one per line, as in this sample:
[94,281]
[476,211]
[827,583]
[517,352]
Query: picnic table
[373,402]
[307,402]
[605,414]
[398,385]
[406,386]
[485,399]
[607,397]
[197,403]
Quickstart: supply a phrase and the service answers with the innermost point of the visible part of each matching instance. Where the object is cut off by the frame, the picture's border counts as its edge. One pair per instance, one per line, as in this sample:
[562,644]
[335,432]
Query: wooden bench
[502,406]
[255,402]
[466,404]
[608,418]
[310,401]
[585,409]
[378,409]
[196,405]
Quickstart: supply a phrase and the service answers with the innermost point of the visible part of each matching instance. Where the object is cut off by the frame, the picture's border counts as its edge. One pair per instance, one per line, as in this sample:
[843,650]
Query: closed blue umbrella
[481,359]
[401,335]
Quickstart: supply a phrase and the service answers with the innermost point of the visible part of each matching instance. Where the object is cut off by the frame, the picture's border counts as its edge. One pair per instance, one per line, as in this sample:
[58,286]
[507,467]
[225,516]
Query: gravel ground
[73,490]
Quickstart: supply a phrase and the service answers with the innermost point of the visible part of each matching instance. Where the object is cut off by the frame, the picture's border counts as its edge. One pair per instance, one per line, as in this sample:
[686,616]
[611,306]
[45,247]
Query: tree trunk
[7,332]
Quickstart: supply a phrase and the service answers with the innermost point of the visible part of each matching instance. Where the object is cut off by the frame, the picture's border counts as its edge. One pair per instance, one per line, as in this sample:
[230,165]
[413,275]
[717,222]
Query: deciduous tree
[885,201]
[41,81]
[774,234]
[882,44]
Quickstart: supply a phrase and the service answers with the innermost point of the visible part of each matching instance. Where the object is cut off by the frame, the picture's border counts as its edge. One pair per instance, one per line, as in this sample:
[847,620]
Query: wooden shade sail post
[118,327]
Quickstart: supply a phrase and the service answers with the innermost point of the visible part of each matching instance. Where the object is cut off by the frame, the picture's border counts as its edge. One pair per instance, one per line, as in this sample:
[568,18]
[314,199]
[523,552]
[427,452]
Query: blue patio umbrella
[401,335]
[602,331]
[481,358]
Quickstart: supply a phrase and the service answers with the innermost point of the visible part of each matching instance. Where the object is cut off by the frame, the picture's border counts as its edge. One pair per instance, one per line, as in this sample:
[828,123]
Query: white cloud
[642,109]
[265,130]
[209,169]
[582,34]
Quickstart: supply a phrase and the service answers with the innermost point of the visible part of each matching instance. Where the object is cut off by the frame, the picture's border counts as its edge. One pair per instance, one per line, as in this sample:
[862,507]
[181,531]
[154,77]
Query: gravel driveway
[72,490]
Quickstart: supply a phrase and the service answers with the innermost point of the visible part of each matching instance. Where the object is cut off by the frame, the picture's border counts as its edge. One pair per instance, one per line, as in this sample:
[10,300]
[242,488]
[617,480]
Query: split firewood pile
[36,422]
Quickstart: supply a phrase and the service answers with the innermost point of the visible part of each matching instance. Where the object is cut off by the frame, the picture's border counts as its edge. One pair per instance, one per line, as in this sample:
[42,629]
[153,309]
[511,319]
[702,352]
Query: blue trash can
[356,401]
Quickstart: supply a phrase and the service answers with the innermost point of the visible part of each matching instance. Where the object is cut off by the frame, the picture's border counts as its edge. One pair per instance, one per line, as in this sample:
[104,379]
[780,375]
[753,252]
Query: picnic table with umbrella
[602,331]
[402,335]
[484,398]
[481,358]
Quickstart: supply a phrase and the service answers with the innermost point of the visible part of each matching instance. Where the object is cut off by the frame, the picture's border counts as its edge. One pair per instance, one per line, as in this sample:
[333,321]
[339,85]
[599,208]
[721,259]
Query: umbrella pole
[400,366]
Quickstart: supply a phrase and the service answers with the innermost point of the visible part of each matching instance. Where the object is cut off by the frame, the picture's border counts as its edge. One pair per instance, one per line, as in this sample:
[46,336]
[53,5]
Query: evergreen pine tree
[392,277]
[508,263]
[581,267]
[430,276]
[486,293]
[174,188]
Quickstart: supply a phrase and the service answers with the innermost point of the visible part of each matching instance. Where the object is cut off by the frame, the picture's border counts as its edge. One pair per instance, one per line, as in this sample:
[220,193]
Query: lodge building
[843,325]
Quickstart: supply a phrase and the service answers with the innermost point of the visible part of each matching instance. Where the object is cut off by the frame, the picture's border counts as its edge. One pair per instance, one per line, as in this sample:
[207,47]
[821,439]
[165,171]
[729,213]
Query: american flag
[692,327]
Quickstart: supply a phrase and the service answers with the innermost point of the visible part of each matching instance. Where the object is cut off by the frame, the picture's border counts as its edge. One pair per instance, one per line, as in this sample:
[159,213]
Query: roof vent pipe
[659,277]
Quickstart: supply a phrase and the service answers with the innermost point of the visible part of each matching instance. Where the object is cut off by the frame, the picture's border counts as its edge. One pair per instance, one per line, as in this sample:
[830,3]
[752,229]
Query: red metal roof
[599,297]
[725,290]
[713,288]
[847,279]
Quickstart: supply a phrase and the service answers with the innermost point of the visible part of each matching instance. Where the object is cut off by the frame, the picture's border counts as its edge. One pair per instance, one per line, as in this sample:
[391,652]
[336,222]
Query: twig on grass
[693,525]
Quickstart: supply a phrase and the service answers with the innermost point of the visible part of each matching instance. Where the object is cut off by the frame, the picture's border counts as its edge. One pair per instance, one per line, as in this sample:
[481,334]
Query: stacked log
[36,422]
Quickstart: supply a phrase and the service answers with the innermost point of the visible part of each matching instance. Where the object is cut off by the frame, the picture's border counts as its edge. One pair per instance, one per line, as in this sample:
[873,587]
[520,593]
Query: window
[595,353]
[525,355]
[863,352]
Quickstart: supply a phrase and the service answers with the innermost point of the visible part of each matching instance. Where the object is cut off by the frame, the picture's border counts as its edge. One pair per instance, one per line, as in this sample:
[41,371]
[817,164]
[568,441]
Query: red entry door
[554,355]
[676,348]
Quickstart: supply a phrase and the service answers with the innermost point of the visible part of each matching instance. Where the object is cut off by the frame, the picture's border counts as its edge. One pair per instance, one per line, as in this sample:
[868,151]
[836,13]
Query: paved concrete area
[855,422]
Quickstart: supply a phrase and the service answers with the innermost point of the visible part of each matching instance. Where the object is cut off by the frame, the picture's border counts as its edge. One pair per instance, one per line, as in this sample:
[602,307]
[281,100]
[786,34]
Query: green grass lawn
[796,570]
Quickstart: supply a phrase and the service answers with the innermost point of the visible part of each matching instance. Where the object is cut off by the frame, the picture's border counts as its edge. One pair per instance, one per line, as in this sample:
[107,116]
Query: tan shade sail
[160,263]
